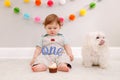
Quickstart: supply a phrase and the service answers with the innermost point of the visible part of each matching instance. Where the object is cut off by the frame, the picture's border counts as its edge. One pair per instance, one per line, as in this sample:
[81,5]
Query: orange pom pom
[72,17]
[37,2]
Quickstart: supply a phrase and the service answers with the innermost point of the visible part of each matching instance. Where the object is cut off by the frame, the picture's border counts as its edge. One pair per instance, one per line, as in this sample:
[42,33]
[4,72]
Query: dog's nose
[101,42]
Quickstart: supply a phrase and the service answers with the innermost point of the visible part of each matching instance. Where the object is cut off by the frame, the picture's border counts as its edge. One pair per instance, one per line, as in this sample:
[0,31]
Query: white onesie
[52,49]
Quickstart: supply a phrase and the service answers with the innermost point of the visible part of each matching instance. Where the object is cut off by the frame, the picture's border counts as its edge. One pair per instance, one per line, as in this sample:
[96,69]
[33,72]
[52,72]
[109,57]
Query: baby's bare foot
[39,68]
[63,67]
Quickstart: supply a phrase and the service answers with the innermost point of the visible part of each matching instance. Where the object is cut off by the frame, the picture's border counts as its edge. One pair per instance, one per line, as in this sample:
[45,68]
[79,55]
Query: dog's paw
[87,64]
[103,66]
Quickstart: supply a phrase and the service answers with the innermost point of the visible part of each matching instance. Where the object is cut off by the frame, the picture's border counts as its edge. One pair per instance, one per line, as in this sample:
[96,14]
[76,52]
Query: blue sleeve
[65,40]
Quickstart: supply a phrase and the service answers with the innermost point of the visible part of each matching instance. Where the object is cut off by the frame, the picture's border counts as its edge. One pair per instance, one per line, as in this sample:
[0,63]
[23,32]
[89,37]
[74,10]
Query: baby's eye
[55,28]
[49,28]
[97,37]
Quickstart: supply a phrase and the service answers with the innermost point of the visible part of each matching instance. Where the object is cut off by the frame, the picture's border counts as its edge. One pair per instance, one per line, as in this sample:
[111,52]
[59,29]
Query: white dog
[95,50]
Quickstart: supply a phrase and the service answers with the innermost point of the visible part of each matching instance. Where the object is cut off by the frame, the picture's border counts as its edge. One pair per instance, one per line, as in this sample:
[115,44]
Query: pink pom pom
[50,3]
[61,19]
[37,19]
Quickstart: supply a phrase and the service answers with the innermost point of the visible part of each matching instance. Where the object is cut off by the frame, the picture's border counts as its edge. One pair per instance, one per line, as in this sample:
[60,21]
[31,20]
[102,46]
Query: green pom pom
[92,5]
[16,10]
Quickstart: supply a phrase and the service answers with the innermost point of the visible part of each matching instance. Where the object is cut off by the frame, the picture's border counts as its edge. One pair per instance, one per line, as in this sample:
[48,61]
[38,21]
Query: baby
[53,46]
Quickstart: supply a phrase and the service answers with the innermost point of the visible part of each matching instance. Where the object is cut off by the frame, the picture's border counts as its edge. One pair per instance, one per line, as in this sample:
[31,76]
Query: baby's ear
[61,24]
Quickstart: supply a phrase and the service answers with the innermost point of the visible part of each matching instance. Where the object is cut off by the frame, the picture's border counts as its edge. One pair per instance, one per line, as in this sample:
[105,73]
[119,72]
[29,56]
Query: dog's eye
[97,37]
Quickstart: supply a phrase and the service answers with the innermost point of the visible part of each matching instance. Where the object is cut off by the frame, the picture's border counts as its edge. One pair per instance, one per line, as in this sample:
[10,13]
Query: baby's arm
[69,51]
[36,54]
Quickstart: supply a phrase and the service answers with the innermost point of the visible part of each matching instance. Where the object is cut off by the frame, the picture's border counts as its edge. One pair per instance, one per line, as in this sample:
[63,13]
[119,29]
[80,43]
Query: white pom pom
[62,2]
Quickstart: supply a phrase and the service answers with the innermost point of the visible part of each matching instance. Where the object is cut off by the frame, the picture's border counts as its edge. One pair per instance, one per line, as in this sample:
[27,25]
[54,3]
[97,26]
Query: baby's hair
[52,18]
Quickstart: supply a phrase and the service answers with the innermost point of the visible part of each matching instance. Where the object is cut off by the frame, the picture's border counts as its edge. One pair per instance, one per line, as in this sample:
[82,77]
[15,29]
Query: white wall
[17,32]
[27,53]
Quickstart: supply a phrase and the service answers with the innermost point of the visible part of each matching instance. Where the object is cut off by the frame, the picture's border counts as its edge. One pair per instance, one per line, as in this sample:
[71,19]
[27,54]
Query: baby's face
[52,29]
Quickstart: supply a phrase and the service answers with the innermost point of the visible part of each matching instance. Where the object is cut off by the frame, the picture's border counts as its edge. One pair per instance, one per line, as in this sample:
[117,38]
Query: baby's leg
[63,63]
[39,67]
[63,67]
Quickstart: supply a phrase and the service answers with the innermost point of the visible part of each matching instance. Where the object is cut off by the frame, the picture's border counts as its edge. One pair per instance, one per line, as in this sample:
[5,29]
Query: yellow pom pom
[83,12]
[7,3]
[26,1]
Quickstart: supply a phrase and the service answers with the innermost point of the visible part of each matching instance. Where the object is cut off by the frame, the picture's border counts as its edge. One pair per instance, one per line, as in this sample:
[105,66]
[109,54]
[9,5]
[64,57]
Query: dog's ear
[88,40]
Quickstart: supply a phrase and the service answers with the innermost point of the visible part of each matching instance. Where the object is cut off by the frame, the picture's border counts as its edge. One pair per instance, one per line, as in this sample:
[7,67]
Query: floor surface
[19,69]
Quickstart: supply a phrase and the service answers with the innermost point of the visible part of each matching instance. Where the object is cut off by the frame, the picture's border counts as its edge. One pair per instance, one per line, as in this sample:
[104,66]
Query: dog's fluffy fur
[95,50]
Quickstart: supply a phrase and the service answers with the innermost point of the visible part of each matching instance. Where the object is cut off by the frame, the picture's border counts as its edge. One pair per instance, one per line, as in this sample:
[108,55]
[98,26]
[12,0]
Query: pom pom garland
[62,2]
[37,19]
[7,3]
[83,12]
[37,2]
[16,10]
[61,19]
[92,5]
[26,16]
[26,1]
[71,17]
[50,3]
[99,0]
